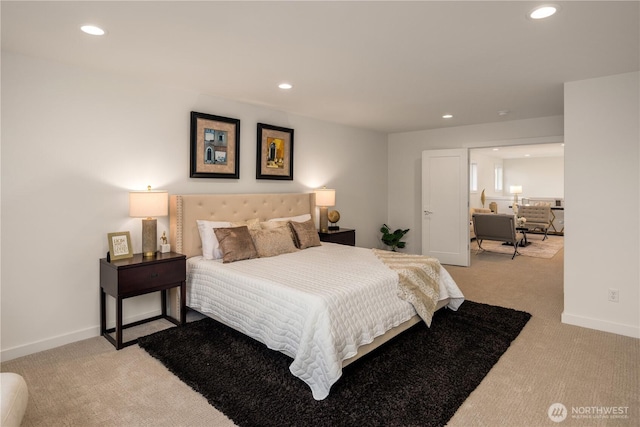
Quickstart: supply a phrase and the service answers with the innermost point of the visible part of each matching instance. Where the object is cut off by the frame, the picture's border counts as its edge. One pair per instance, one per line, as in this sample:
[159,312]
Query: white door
[445,205]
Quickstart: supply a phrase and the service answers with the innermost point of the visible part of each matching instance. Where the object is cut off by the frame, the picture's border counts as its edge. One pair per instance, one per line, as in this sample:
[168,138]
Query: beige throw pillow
[236,243]
[252,224]
[305,234]
[273,242]
[270,225]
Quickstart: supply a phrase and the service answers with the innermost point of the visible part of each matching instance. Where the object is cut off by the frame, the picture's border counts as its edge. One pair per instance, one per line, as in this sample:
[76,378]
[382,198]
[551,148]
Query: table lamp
[515,190]
[147,204]
[324,198]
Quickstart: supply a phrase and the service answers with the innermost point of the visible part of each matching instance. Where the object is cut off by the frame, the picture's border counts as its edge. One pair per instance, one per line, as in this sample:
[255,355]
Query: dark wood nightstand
[344,236]
[138,276]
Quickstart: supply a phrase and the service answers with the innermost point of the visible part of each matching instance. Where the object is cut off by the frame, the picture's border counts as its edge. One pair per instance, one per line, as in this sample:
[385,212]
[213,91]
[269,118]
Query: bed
[324,306]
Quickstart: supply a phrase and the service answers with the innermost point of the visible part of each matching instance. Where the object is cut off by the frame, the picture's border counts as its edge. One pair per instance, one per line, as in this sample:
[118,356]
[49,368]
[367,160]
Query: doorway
[535,172]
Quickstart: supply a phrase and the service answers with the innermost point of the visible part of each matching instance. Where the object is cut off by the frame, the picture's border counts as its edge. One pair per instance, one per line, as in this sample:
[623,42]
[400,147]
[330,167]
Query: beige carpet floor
[88,383]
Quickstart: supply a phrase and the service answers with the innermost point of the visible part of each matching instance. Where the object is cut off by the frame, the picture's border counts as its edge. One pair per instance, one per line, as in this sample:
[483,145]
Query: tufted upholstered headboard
[184,210]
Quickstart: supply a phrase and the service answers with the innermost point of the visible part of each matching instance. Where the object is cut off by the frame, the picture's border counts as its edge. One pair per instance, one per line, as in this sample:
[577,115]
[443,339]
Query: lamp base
[149,237]
[324,219]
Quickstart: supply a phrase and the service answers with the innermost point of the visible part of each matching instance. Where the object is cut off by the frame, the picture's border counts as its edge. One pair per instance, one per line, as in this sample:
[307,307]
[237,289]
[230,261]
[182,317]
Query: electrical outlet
[613,295]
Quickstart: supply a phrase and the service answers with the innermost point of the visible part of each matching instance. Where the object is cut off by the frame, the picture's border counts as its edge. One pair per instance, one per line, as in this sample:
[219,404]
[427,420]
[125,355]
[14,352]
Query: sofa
[13,400]
[537,217]
[472,234]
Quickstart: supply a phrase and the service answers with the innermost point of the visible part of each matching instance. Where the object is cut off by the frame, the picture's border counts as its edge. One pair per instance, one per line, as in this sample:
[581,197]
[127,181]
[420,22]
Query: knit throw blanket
[419,278]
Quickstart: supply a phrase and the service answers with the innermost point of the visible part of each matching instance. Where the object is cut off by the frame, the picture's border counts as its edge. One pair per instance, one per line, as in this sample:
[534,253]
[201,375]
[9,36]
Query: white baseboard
[632,331]
[60,340]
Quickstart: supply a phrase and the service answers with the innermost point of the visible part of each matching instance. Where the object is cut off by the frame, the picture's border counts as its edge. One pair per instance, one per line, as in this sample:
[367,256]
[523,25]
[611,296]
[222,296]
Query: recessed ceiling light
[285,86]
[447,116]
[503,112]
[93,30]
[527,155]
[496,149]
[543,11]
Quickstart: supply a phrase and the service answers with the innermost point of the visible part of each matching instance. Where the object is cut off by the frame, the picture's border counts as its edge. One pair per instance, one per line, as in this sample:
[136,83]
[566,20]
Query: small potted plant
[393,239]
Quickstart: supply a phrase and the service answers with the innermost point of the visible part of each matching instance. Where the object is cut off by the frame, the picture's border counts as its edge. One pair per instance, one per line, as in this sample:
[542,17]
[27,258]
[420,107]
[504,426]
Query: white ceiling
[523,151]
[387,66]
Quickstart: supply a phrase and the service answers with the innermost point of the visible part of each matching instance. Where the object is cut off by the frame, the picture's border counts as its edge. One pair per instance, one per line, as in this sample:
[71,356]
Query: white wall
[75,141]
[540,177]
[486,170]
[405,151]
[602,197]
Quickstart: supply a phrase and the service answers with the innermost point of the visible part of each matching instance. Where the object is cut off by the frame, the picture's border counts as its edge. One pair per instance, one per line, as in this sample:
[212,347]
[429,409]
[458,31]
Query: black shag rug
[419,378]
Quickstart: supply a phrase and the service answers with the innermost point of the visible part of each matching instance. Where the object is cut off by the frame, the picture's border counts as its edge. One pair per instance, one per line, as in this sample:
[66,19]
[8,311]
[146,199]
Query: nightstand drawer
[138,279]
[343,236]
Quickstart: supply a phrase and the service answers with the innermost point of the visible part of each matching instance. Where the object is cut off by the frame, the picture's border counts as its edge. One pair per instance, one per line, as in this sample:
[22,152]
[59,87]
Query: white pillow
[210,246]
[299,218]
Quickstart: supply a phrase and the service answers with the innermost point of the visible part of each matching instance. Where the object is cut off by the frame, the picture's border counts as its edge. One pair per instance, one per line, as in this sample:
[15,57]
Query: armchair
[472,234]
[13,397]
[538,217]
[500,227]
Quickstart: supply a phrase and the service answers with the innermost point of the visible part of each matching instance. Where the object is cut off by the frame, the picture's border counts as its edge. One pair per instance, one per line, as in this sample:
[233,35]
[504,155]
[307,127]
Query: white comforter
[317,305]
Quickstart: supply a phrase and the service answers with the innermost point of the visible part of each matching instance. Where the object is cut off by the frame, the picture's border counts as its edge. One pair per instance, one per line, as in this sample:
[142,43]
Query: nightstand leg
[183,303]
[103,313]
[118,323]
[164,302]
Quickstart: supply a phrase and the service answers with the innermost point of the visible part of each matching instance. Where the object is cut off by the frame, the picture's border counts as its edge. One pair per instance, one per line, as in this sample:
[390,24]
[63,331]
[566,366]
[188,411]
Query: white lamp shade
[515,189]
[325,197]
[147,204]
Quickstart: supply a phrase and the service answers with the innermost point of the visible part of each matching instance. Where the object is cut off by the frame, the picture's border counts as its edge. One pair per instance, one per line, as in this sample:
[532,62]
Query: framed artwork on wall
[120,245]
[215,146]
[275,152]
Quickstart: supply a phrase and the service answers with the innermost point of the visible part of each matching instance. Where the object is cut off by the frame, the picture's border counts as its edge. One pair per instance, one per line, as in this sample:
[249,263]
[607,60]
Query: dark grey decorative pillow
[305,234]
[236,243]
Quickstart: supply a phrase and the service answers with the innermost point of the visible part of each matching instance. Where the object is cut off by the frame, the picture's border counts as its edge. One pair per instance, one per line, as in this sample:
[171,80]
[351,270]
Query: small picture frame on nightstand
[120,245]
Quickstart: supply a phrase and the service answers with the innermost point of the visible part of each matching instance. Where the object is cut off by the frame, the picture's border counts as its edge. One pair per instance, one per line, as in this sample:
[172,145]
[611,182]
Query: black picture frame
[215,146]
[274,158]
